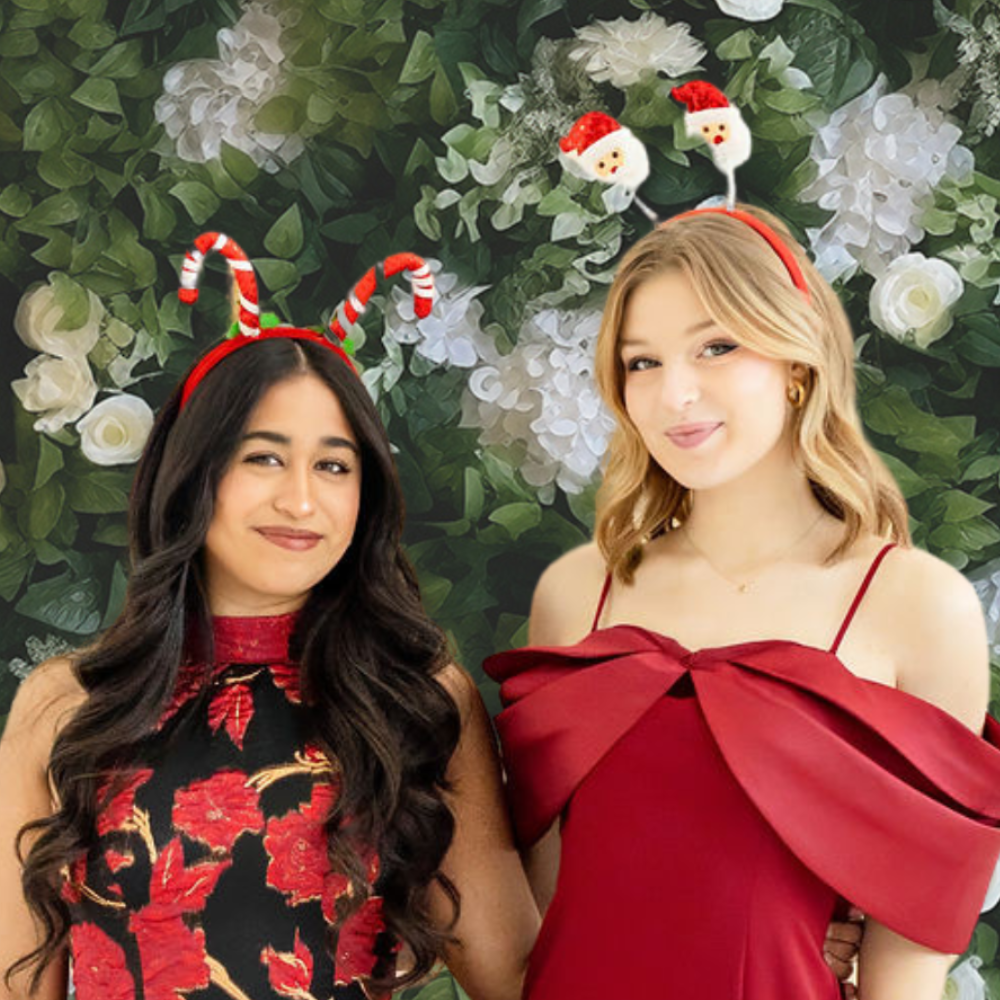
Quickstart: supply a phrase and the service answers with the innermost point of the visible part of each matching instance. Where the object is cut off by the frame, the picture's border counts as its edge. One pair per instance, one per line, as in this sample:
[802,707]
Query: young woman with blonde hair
[750,700]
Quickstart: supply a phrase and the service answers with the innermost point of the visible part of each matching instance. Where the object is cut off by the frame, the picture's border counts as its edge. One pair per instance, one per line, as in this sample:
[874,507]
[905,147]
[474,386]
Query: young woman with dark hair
[265,779]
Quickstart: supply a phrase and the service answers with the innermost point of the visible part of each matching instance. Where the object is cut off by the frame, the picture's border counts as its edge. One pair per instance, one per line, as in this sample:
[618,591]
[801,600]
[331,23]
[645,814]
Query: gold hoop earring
[797,395]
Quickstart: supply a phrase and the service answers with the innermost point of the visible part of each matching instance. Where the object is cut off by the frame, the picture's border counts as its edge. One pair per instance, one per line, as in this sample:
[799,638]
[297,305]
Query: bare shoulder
[566,597]
[459,683]
[936,623]
[44,702]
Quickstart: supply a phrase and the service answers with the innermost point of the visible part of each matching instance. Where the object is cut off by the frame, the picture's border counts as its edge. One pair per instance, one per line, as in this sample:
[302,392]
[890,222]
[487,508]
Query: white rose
[912,298]
[61,389]
[115,431]
[59,318]
[965,982]
[751,10]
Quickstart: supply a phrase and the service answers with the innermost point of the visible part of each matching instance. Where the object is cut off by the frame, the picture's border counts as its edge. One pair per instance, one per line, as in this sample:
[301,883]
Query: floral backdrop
[323,135]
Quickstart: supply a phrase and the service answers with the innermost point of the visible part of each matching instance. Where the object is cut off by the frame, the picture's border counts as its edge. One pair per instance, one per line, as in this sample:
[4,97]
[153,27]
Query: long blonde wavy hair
[747,290]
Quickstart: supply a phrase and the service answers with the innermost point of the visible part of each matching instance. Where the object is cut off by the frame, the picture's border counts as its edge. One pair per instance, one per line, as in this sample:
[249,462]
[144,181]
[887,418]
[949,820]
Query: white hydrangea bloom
[986,580]
[751,10]
[208,101]
[965,982]
[879,158]
[39,650]
[622,52]
[543,396]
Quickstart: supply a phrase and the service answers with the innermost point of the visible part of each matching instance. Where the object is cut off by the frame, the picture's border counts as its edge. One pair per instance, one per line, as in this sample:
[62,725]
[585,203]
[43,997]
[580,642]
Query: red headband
[249,312]
[778,245]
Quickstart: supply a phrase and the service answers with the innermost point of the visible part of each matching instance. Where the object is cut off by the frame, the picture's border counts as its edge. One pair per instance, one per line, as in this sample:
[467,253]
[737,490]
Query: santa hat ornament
[251,327]
[599,148]
[721,125]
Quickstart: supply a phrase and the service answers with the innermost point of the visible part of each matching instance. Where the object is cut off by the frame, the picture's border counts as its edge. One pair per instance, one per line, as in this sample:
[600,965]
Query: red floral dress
[210,878]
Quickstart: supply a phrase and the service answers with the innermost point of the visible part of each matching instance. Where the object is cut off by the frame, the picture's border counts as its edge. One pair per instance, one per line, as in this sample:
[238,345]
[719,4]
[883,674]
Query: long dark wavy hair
[367,650]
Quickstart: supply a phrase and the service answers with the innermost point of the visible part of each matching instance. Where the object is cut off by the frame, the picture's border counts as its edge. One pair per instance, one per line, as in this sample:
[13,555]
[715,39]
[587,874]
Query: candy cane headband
[250,331]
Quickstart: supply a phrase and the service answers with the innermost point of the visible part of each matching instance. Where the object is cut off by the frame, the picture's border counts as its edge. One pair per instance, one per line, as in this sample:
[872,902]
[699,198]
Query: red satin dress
[717,805]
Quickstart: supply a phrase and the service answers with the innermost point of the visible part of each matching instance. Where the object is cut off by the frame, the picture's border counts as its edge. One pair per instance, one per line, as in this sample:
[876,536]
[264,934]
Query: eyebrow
[689,332]
[276,438]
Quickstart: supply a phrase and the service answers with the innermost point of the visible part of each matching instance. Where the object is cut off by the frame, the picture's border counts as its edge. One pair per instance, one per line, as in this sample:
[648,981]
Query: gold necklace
[742,586]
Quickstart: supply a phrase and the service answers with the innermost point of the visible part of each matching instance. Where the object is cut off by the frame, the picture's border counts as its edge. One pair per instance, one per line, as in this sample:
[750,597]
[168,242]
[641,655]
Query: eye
[640,364]
[718,348]
[336,466]
[265,458]
[601,164]
[706,129]
[616,155]
[722,128]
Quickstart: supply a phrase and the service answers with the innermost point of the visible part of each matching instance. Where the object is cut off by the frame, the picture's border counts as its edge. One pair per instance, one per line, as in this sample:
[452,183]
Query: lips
[692,435]
[291,538]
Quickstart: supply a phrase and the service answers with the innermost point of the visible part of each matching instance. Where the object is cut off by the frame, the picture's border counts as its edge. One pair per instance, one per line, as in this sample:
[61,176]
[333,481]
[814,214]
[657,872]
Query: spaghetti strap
[600,604]
[876,562]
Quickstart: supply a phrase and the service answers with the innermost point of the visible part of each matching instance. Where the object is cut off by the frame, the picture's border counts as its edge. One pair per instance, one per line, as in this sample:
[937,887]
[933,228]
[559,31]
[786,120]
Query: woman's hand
[841,947]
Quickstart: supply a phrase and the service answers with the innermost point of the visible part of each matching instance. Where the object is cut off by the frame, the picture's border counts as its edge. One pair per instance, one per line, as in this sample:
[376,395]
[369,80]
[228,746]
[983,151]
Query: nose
[295,493]
[679,387]
[718,139]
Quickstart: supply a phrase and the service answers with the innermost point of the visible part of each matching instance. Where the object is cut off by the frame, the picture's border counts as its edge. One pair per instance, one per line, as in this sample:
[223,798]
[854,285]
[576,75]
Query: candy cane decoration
[347,313]
[240,268]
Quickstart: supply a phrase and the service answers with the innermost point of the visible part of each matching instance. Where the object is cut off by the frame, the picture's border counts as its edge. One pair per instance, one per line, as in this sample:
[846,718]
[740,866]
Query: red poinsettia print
[190,680]
[356,942]
[175,889]
[290,973]
[296,844]
[74,876]
[286,677]
[99,969]
[172,955]
[232,707]
[218,810]
[116,860]
[116,813]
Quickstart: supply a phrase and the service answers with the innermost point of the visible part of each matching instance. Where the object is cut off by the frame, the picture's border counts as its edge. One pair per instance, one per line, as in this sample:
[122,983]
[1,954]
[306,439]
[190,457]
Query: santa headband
[605,150]
[249,321]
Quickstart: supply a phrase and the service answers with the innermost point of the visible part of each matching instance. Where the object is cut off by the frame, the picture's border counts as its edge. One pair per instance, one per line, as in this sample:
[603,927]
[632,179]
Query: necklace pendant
[743,588]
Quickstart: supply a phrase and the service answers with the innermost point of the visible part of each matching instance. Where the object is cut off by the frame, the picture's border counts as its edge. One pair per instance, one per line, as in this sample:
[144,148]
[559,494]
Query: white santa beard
[735,151]
[632,173]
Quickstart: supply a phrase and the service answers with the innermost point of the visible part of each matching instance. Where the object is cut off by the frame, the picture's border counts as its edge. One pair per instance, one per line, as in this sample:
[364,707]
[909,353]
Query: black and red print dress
[210,878]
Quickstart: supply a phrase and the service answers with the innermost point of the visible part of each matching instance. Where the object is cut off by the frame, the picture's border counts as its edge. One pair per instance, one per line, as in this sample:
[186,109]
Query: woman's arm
[943,658]
[498,920]
[44,698]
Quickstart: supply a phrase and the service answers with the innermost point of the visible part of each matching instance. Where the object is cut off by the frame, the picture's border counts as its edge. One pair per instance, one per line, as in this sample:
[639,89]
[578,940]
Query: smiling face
[707,408]
[286,508]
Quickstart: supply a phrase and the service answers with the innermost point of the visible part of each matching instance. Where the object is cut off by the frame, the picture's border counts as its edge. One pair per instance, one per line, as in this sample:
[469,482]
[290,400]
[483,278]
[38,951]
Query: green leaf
[532,11]
[63,602]
[56,210]
[112,533]
[15,201]
[98,94]
[984,467]
[960,506]
[50,461]
[517,517]
[92,34]
[62,168]
[116,595]
[159,219]
[789,102]
[100,492]
[44,507]
[18,44]
[120,62]
[198,200]
[909,482]
[737,46]
[285,237]
[281,115]
[276,274]
[444,106]
[45,125]
[351,228]
[475,495]
[421,60]
[14,566]
[238,165]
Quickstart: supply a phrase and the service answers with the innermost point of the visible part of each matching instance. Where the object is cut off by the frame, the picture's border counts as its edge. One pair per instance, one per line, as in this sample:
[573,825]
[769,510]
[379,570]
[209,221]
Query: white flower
[911,300]
[451,334]
[965,982]
[208,101]
[115,431]
[986,580]
[622,52]
[61,389]
[879,158]
[751,10]
[39,650]
[41,320]
[543,397]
